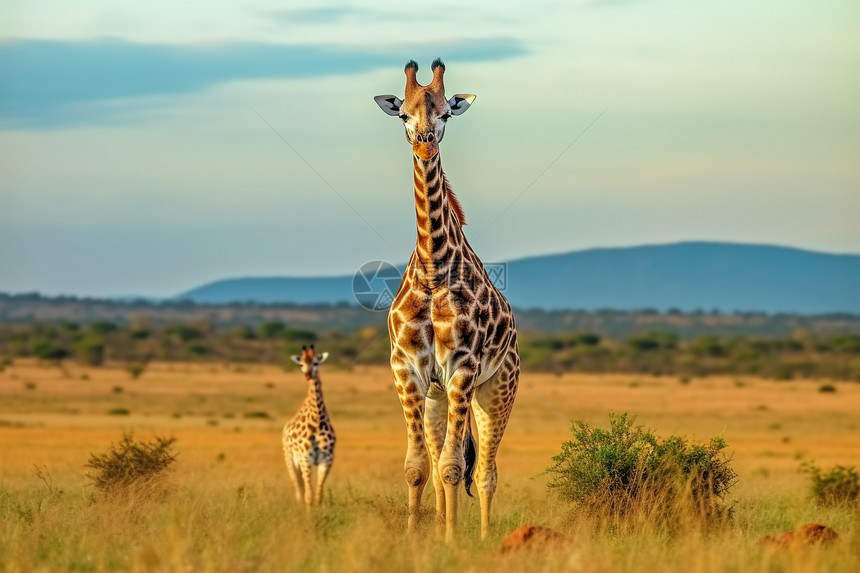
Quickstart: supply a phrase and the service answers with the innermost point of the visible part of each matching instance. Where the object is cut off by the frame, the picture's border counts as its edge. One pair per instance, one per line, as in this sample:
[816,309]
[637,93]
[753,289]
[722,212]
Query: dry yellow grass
[55,417]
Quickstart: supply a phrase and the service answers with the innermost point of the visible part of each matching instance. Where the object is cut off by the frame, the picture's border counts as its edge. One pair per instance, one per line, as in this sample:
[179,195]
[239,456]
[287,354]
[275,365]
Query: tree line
[652,352]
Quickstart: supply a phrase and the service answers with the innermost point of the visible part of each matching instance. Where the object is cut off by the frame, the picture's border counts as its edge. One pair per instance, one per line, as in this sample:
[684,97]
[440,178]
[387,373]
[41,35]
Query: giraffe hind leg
[322,474]
[491,407]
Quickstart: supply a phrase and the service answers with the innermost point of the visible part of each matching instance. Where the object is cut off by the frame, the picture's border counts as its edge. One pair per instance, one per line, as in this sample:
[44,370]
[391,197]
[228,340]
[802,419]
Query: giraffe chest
[450,330]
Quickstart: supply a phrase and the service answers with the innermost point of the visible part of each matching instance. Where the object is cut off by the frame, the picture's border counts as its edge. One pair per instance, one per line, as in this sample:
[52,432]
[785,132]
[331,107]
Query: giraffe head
[424,109]
[309,361]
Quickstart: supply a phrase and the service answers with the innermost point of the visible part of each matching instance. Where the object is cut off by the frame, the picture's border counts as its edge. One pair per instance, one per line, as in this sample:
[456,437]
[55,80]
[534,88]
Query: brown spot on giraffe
[309,438]
[466,324]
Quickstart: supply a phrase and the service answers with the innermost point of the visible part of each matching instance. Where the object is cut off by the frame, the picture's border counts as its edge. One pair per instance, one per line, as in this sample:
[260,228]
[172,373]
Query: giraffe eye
[403,116]
[445,116]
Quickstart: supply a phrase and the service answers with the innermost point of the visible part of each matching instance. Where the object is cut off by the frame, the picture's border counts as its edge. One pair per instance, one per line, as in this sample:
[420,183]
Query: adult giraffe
[453,337]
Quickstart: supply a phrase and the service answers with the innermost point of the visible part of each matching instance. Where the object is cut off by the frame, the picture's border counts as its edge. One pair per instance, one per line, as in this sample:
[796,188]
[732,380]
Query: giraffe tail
[471,454]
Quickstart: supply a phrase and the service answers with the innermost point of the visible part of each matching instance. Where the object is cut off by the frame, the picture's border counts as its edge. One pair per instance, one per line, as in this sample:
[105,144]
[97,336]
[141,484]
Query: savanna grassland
[228,506]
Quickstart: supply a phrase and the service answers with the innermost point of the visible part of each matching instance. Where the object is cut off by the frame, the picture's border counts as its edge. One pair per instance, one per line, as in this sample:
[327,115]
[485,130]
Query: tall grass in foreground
[220,521]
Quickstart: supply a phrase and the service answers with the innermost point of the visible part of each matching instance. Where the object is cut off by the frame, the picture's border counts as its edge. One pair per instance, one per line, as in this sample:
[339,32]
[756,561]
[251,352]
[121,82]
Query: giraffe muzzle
[425,145]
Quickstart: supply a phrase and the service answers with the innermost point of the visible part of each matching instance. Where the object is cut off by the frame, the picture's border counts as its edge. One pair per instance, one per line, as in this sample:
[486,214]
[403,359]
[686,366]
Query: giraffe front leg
[417,465]
[452,462]
[292,471]
[436,423]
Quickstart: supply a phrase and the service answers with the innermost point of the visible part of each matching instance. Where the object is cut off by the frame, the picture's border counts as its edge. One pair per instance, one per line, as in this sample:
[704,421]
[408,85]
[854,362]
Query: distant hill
[685,276]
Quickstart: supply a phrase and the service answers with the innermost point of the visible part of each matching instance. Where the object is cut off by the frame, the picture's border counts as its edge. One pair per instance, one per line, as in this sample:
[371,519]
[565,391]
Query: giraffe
[308,438]
[454,351]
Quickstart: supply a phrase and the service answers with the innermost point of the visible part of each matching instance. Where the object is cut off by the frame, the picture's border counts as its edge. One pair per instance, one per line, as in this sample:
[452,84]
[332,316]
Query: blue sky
[139,153]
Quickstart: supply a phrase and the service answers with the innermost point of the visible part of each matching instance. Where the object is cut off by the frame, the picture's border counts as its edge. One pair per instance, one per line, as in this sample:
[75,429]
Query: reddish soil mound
[532,537]
[803,536]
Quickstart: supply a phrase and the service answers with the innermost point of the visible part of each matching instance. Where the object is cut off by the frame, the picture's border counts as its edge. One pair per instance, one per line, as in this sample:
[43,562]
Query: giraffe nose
[428,137]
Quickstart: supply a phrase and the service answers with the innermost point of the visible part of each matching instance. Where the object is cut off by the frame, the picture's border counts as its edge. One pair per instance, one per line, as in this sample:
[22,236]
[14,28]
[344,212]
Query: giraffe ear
[460,103]
[296,359]
[388,103]
[323,357]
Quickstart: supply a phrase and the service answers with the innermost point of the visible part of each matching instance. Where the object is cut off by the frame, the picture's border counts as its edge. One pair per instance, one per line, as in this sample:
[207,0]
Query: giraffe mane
[454,203]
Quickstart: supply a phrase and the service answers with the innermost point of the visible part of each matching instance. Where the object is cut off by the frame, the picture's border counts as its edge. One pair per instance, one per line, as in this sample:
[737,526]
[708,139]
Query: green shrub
[131,463]
[626,472]
[264,415]
[827,388]
[119,412]
[90,351]
[839,486]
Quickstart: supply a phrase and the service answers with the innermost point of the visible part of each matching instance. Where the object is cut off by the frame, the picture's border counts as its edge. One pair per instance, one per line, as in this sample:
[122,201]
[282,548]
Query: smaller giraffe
[309,438]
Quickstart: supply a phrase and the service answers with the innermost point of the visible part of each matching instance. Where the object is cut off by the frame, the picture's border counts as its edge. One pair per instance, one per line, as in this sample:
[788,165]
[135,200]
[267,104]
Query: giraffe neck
[440,236]
[314,397]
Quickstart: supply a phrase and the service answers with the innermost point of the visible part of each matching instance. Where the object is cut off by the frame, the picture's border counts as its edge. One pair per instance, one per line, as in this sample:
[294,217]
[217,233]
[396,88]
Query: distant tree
[102,327]
[185,332]
[245,332]
[303,335]
[47,350]
[271,329]
[90,351]
[587,339]
[653,341]
[848,343]
[708,346]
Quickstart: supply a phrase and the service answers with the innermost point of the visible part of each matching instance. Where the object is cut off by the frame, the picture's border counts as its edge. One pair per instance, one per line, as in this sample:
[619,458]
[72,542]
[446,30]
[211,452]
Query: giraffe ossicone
[454,351]
[309,438]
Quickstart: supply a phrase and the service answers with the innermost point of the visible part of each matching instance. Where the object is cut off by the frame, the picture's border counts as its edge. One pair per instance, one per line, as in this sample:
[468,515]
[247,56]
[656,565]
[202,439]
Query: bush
[119,412]
[627,475]
[131,463]
[827,388]
[257,414]
[839,486]
[135,369]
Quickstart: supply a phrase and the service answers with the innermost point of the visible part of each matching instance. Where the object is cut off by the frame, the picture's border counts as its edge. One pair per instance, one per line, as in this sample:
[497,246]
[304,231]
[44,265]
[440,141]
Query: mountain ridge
[684,275]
